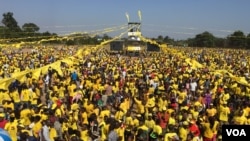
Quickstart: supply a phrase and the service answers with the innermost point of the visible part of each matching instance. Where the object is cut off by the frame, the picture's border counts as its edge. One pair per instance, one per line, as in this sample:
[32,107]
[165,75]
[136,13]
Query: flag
[139,14]
[127,16]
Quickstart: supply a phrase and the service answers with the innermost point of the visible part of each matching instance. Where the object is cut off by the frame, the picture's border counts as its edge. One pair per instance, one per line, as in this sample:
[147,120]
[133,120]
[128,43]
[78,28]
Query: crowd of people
[151,97]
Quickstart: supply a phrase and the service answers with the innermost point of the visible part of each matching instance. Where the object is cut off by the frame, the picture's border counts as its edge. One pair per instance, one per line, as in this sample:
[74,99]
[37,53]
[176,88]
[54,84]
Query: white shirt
[45,133]
[193,86]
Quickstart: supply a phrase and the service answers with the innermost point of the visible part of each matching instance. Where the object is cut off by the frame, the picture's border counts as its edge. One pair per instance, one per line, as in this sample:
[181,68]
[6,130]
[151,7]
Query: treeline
[11,32]
[27,32]
[206,39]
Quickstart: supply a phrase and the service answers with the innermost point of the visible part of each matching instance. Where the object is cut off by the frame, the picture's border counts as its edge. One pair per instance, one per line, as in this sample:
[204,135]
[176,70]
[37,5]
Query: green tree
[160,38]
[204,39]
[237,39]
[219,42]
[168,40]
[30,28]
[248,41]
[10,22]
[106,37]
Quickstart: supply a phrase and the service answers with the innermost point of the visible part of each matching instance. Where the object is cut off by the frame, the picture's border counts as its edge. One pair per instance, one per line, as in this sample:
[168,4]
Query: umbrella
[4,135]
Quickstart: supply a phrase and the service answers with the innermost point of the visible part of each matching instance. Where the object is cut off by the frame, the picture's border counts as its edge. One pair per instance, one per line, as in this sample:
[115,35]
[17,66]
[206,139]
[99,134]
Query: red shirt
[195,130]
[163,119]
[3,123]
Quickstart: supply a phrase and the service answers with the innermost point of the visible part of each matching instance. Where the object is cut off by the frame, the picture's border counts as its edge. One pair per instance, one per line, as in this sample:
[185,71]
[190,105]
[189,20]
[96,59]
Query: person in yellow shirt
[240,119]
[25,95]
[150,122]
[25,114]
[84,116]
[211,111]
[171,120]
[123,106]
[8,105]
[183,131]
[150,102]
[105,112]
[128,125]
[84,132]
[208,127]
[52,132]
[11,128]
[89,106]
[16,98]
[142,131]
[120,131]
[140,105]
[171,134]
[156,133]
[37,126]
[224,112]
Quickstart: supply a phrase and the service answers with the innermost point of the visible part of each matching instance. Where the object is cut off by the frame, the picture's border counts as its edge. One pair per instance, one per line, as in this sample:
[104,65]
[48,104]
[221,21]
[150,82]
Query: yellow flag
[79,53]
[36,73]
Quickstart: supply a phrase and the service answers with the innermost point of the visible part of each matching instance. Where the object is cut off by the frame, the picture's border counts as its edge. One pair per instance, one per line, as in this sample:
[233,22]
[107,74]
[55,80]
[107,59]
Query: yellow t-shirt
[240,120]
[119,115]
[128,122]
[120,131]
[123,107]
[208,133]
[11,128]
[211,112]
[224,112]
[157,129]
[85,118]
[84,135]
[25,95]
[182,96]
[25,114]
[183,133]
[169,136]
[140,106]
[52,133]
[171,121]
[36,128]
[150,123]
[15,96]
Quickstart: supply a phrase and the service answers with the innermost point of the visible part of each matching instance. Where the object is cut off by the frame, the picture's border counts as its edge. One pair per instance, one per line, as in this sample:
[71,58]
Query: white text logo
[236,132]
